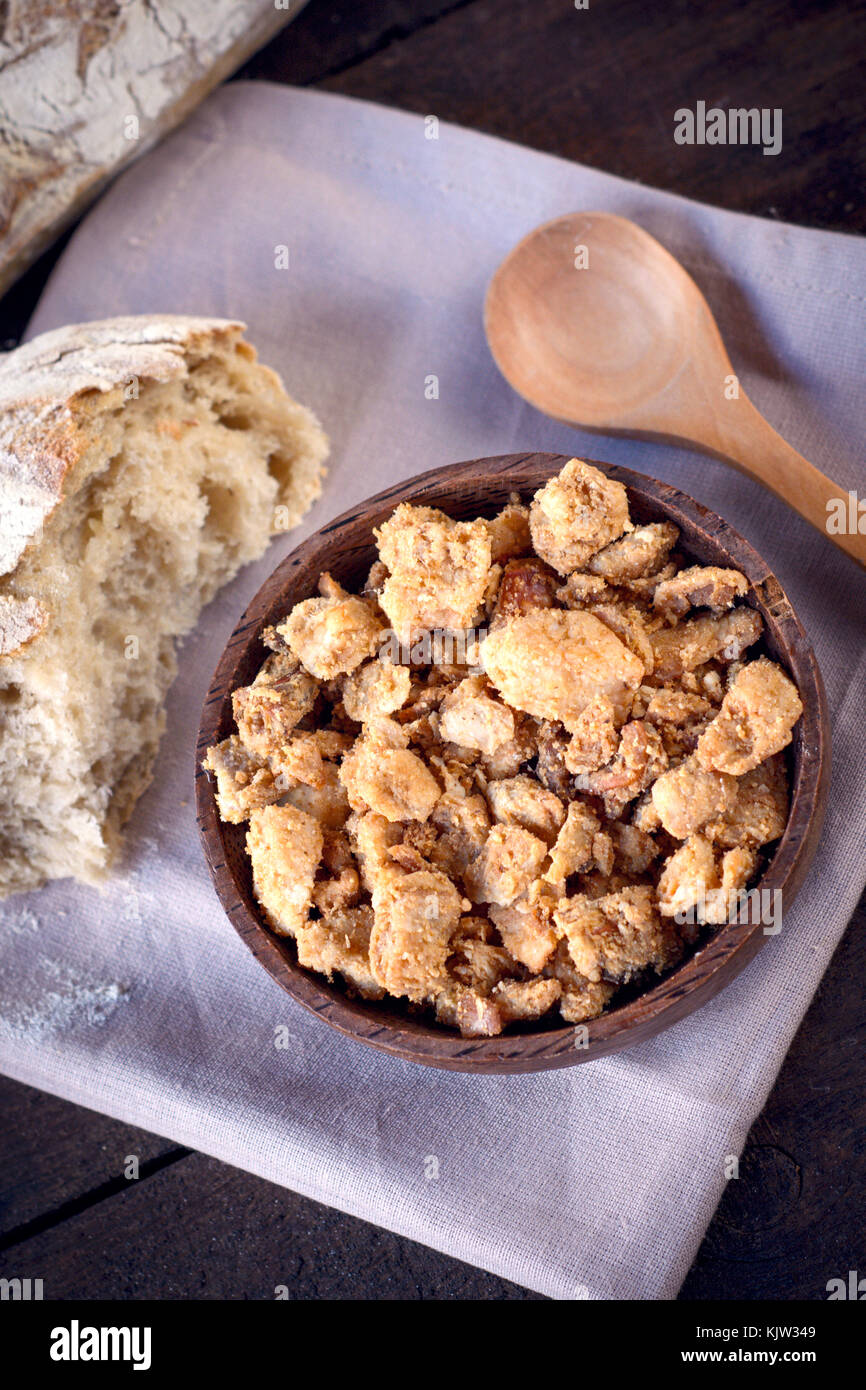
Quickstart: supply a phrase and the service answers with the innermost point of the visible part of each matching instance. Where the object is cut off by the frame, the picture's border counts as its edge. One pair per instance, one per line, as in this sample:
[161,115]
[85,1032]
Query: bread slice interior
[179,483]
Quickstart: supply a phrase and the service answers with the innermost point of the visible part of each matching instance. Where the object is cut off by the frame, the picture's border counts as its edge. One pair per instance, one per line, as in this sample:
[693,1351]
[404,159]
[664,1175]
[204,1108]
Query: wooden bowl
[346,548]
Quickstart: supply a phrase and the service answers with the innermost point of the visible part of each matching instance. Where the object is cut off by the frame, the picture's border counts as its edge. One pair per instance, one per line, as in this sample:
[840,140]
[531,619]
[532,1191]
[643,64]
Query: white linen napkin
[593,1182]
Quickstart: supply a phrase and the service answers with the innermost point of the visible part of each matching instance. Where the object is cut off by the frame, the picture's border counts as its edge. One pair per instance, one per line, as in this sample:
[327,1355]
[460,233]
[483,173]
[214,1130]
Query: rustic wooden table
[598,85]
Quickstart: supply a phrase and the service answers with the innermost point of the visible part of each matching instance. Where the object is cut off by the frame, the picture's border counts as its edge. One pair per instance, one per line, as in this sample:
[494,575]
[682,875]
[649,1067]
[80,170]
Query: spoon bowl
[616,337]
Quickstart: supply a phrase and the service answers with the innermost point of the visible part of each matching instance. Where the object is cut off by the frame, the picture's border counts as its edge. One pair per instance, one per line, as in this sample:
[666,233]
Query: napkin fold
[595,1182]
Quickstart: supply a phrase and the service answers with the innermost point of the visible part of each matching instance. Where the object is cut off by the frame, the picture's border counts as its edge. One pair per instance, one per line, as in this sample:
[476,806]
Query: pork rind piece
[526,928]
[723,904]
[680,717]
[267,713]
[552,662]
[337,851]
[476,964]
[376,689]
[280,665]
[759,813]
[581,590]
[700,586]
[603,853]
[640,553]
[522,801]
[334,894]
[573,851]
[390,780]
[491,589]
[525,585]
[282,661]
[425,696]
[476,961]
[699,639]
[338,885]
[475,1014]
[464,824]
[755,721]
[332,635]
[414,916]
[678,707]
[475,968]
[308,757]
[595,737]
[628,624]
[339,943]
[520,1001]
[688,878]
[617,936]
[697,889]
[581,999]
[458,777]
[576,514]
[645,816]
[479,1014]
[634,850]
[327,801]
[689,795]
[469,716]
[511,756]
[410,858]
[550,766]
[639,760]
[421,835]
[438,570]
[376,577]
[506,866]
[371,837]
[285,848]
[243,782]
[509,532]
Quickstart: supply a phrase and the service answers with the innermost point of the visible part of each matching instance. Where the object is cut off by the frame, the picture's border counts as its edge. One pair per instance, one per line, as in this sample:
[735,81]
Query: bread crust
[152,60]
[20,621]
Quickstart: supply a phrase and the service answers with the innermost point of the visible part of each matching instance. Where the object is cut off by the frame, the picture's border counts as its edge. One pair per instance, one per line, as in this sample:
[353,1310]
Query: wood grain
[198,1229]
[69,1164]
[345,547]
[601,86]
[794,1217]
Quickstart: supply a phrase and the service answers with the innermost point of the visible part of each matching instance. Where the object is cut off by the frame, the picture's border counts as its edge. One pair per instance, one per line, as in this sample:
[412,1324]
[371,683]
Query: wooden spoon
[594,322]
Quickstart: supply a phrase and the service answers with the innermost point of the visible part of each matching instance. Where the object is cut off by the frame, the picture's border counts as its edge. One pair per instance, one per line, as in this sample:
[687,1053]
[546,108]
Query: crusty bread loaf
[86,86]
[142,462]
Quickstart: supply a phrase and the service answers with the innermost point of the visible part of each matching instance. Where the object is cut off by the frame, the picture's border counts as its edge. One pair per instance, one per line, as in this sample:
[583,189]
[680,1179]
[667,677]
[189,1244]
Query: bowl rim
[706,970]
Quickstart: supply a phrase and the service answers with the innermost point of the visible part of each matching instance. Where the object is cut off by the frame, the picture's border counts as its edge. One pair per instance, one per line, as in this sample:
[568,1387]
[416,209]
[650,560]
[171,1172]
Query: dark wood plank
[601,86]
[794,1218]
[328,38]
[203,1230]
[54,1155]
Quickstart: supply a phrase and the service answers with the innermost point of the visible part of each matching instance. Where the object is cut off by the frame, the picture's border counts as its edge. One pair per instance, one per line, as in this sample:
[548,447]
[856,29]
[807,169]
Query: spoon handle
[750,443]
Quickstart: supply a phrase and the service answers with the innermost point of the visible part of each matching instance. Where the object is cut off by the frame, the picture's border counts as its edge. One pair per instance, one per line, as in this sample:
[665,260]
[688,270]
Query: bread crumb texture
[143,461]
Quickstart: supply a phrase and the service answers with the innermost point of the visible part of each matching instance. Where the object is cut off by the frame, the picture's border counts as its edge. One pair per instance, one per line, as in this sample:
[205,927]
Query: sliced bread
[143,460]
